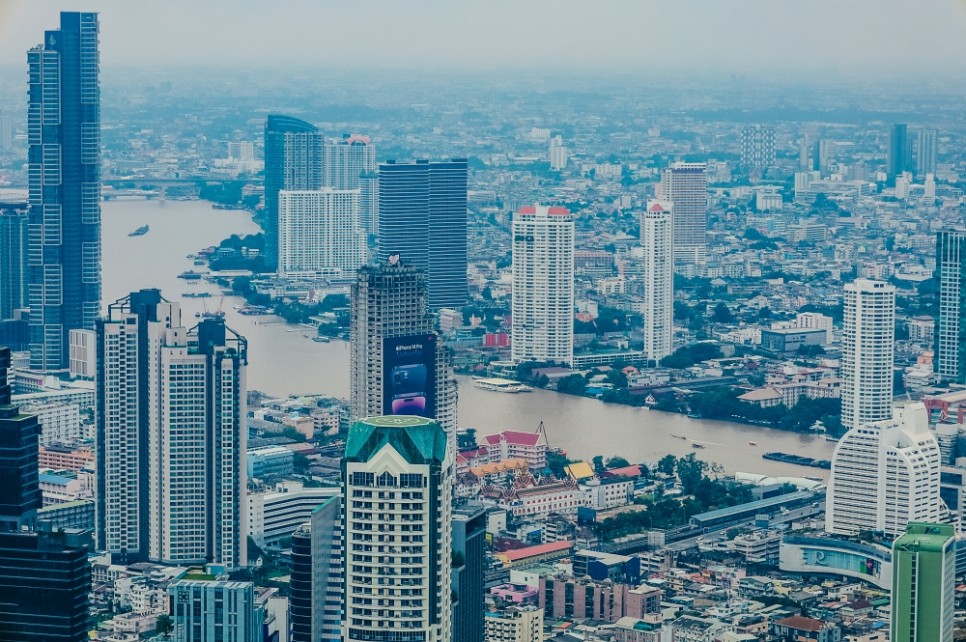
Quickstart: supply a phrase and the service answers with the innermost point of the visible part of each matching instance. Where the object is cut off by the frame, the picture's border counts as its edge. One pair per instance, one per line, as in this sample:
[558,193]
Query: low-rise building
[514,624]
[274,515]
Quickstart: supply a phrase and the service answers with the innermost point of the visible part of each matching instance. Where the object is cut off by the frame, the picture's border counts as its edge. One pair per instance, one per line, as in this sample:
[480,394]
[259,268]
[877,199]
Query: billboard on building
[409,375]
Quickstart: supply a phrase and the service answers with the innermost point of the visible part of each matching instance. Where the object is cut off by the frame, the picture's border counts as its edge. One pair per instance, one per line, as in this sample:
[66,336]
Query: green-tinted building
[398,494]
[923,583]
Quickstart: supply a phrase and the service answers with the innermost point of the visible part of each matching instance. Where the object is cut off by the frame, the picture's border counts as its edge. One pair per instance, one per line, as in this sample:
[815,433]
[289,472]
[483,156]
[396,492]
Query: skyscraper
[44,577]
[13,256]
[868,342]
[346,160]
[898,151]
[6,131]
[822,156]
[884,475]
[171,436]
[927,148]
[320,232]
[950,354]
[657,229]
[64,156]
[558,154]
[315,598]
[19,440]
[422,218]
[208,609]
[686,185]
[398,478]
[469,533]
[397,364]
[543,285]
[757,147]
[924,584]
[293,161]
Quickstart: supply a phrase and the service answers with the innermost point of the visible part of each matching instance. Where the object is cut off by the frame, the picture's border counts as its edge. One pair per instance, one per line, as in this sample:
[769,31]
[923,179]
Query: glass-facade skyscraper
[293,161]
[64,228]
[898,150]
[422,219]
[950,355]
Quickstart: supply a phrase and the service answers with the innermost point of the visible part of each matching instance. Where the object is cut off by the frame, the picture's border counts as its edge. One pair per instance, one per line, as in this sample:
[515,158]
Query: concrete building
[205,609]
[398,365]
[924,584]
[515,624]
[347,159]
[398,480]
[171,436]
[657,232]
[868,351]
[686,186]
[275,515]
[266,461]
[543,285]
[13,255]
[558,154]
[927,148]
[320,232]
[884,475]
[757,147]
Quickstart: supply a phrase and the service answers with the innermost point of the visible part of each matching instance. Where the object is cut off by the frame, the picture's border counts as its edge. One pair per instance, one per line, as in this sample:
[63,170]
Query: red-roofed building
[513,444]
[805,629]
[534,554]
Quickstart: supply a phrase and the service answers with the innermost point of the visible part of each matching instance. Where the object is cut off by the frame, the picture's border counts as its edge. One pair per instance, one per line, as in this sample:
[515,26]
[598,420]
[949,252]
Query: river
[283,361]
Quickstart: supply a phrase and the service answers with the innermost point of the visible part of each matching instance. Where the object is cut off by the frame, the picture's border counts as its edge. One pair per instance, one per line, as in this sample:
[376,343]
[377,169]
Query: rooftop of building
[419,440]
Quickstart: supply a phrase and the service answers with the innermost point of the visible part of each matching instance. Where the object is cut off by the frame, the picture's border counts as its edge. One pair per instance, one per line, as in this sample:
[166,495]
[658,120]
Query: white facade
[558,154]
[275,515]
[60,421]
[815,320]
[82,353]
[868,344]
[657,236]
[345,160]
[543,285]
[884,475]
[171,436]
[320,232]
[398,480]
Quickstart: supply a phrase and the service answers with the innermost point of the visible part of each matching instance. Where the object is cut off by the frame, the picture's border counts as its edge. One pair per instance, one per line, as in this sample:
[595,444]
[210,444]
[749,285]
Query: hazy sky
[877,36]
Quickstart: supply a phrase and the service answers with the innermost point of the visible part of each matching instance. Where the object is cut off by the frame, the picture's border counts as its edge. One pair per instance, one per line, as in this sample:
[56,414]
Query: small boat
[679,437]
[752,443]
[141,231]
[697,445]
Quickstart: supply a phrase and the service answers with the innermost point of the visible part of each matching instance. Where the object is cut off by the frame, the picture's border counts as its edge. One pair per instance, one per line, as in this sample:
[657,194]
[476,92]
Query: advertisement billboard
[409,375]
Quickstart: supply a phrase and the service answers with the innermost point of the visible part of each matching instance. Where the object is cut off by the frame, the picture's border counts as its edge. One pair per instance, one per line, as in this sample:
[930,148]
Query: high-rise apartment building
[293,161]
[757,147]
[6,131]
[543,285]
[315,597]
[346,160]
[558,154]
[171,436]
[63,173]
[397,473]
[950,335]
[657,232]
[884,475]
[369,202]
[206,609]
[686,186]
[45,577]
[822,156]
[923,584]
[469,566]
[13,256]
[927,149]
[319,231]
[422,219]
[398,365]
[868,343]
[899,155]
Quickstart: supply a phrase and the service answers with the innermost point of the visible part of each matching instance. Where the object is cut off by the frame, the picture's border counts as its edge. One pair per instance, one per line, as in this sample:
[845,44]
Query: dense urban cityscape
[419,356]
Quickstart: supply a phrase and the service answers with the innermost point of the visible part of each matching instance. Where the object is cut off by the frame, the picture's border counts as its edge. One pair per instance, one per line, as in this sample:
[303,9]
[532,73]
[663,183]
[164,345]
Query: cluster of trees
[608,320]
[723,403]
[687,356]
[238,262]
[700,493]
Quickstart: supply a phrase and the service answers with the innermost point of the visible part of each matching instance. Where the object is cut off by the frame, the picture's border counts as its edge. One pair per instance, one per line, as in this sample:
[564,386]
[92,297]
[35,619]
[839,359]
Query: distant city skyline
[433,34]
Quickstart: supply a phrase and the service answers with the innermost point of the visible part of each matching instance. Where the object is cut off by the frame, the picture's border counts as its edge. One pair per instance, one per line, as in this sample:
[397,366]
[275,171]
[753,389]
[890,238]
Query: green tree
[722,314]
[667,464]
[165,625]
[598,463]
[466,439]
[556,462]
[574,384]
[690,471]
[617,462]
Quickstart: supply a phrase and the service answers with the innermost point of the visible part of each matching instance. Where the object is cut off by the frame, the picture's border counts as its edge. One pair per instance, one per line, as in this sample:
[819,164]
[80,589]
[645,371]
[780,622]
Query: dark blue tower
[293,160]
[422,218]
[64,223]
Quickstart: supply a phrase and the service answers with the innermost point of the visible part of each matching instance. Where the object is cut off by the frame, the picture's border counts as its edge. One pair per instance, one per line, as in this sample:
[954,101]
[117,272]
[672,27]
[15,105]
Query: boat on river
[141,231]
[501,385]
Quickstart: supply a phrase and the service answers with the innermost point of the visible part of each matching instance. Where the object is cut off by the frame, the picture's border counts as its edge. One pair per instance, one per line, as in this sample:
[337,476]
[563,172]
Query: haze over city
[874,38]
